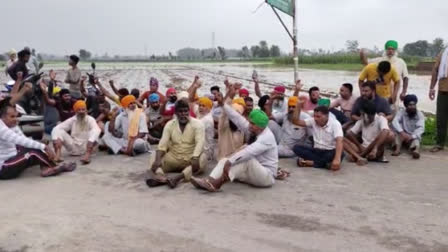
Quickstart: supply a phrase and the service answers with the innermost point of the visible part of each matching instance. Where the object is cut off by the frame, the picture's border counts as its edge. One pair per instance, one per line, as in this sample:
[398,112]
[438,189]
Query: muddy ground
[106,206]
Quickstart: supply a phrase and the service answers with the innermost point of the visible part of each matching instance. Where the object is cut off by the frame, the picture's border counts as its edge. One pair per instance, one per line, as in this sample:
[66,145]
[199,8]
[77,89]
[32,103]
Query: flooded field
[180,75]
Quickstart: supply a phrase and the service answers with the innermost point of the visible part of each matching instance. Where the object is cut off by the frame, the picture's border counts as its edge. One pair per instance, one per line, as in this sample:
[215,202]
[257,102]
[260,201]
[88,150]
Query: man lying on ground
[78,134]
[256,164]
[181,149]
[409,125]
[18,152]
[127,133]
[368,92]
[327,137]
[375,135]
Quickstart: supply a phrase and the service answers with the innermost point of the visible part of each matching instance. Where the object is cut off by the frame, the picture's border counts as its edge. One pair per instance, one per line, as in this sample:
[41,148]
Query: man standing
[440,75]
[368,92]
[181,149]
[127,132]
[12,54]
[399,64]
[409,124]
[20,65]
[375,135]
[84,133]
[256,164]
[74,77]
[33,64]
[385,77]
[327,138]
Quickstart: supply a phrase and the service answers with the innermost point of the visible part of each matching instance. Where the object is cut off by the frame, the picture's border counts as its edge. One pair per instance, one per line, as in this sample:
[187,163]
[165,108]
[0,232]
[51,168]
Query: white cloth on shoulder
[443,67]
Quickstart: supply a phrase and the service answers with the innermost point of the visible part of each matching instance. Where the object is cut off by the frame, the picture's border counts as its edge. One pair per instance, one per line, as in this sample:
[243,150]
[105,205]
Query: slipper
[157,181]
[171,183]
[436,149]
[282,174]
[85,162]
[69,167]
[415,155]
[382,159]
[204,184]
[50,172]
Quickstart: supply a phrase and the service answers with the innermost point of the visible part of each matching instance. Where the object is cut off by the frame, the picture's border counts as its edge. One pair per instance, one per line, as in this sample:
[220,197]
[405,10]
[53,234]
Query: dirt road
[106,206]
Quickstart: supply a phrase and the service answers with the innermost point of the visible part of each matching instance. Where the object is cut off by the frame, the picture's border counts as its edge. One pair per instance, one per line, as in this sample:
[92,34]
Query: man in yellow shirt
[181,149]
[386,78]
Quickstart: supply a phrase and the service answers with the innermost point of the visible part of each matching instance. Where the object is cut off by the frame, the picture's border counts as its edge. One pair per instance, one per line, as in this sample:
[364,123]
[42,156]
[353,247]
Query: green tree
[245,52]
[84,54]
[275,51]
[255,50]
[264,49]
[437,46]
[419,48]
[222,52]
[352,45]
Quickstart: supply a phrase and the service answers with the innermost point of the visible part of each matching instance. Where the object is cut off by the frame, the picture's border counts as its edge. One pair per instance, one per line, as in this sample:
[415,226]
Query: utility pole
[294,32]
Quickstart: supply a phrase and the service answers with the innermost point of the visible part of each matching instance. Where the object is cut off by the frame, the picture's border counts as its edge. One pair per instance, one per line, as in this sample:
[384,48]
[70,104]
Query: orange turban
[238,108]
[128,99]
[292,101]
[205,101]
[79,105]
[239,101]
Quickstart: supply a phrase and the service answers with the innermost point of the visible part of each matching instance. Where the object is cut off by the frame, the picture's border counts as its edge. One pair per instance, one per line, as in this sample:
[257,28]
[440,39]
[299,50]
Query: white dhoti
[250,172]
[116,144]
[75,146]
[285,152]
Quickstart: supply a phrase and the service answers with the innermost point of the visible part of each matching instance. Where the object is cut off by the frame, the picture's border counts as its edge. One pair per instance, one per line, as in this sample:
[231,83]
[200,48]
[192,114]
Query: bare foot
[415,155]
[361,162]
[372,155]
[304,163]
[86,159]
[396,153]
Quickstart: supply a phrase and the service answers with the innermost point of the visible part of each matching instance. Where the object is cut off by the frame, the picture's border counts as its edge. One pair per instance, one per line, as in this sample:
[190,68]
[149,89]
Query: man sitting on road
[153,89]
[154,118]
[375,135]
[311,102]
[385,78]
[256,164]
[84,133]
[409,124]
[127,132]
[181,149]
[368,92]
[17,152]
[346,100]
[327,137]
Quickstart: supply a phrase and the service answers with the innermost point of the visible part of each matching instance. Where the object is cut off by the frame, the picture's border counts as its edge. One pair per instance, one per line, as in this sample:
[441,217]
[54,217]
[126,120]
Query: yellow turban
[79,105]
[239,101]
[56,90]
[206,102]
[238,108]
[292,102]
[128,99]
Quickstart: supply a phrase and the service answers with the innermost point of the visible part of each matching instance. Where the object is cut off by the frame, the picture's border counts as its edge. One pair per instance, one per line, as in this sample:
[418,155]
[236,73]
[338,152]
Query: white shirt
[122,124]
[79,135]
[280,109]
[398,63]
[370,132]
[414,126]
[209,126]
[293,134]
[325,137]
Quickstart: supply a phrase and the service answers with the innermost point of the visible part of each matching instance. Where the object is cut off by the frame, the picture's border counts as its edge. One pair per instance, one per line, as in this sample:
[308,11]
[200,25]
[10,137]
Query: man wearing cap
[440,76]
[385,77]
[327,137]
[154,118]
[289,134]
[20,65]
[399,64]
[256,164]
[243,93]
[204,115]
[153,89]
[84,134]
[127,132]
[409,125]
[168,105]
[181,149]
[73,77]
[278,100]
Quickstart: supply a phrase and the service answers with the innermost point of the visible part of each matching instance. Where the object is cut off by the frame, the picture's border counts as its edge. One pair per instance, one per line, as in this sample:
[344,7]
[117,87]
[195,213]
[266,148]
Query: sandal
[68,167]
[436,149]
[382,159]
[282,174]
[203,184]
[50,172]
[156,181]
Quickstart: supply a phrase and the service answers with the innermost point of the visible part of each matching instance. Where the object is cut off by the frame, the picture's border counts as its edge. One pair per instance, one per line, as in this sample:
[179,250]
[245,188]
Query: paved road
[107,207]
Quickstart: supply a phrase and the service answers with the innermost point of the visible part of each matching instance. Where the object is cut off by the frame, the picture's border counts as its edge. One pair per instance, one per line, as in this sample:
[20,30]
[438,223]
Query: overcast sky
[125,27]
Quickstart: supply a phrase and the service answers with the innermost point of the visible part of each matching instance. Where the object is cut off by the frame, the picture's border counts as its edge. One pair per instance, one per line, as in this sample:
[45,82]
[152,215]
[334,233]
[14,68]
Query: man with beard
[12,57]
[181,149]
[204,115]
[375,135]
[368,92]
[256,164]
[73,77]
[168,106]
[84,133]
[399,64]
[385,77]
[127,132]
[64,104]
[20,65]
[249,105]
[153,89]
[17,152]
[290,134]
[440,77]
[311,102]
[409,124]
[327,138]
[155,120]
[346,99]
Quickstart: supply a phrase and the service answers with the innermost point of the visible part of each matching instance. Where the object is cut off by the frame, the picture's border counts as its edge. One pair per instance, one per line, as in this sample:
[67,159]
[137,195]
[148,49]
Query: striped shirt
[10,138]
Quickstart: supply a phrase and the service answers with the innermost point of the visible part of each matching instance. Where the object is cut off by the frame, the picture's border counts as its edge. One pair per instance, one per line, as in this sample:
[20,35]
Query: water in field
[180,75]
